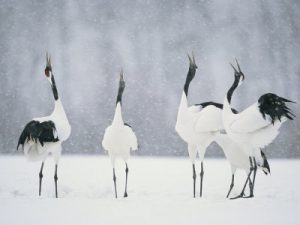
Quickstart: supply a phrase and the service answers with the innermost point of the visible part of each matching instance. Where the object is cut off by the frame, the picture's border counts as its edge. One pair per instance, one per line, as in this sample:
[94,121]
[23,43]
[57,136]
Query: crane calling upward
[119,137]
[255,127]
[197,125]
[45,135]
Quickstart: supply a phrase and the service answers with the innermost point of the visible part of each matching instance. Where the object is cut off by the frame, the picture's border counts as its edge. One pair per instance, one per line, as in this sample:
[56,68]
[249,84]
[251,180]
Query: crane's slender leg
[126,170]
[231,185]
[254,174]
[55,180]
[251,188]
[241,195]
[251,184]
[194,178]
[201,178]
[115,180]
[41,177]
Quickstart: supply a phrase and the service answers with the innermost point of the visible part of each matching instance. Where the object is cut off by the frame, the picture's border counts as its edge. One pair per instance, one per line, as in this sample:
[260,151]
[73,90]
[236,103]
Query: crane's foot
[249,196]
[238,196]
[125,195]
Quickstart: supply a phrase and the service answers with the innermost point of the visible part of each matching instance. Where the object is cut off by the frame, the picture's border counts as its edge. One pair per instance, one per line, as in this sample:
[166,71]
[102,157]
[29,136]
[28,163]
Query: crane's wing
[209,119]
[250,120]
[36,131]
[131,137]
[218,105]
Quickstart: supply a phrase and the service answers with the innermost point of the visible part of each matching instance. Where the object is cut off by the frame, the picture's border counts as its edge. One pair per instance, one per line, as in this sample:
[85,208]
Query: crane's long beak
[192,60]
[48,61]
[122,75]
[233,68]
[238,65]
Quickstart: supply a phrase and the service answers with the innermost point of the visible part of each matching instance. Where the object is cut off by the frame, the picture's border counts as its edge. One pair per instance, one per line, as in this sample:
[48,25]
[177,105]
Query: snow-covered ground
[160,192]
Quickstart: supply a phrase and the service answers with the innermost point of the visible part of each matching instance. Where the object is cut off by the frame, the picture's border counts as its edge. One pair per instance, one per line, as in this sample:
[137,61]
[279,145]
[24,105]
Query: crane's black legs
[194,179]
[251,184]
[126,170]
[251,190]
[115,182]
[201,178]
[41,177]
[231,185]
[55,180]
[241,195]
[254,174]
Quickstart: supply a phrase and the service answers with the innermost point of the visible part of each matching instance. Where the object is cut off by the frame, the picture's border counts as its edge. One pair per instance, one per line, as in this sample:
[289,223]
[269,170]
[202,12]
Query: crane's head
[191,73]
[193,66]
[48,69]
[238,74]
[122,82]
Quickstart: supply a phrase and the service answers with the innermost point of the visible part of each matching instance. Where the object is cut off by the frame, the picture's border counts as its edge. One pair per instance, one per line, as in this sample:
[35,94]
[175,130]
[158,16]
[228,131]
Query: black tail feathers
[275,106]
[36,131]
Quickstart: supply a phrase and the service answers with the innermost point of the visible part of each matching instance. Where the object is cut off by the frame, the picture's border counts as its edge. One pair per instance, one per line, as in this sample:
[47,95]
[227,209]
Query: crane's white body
[119,139]
[235,155]
[34,151]
[200,127]
[249,128]
[197,126]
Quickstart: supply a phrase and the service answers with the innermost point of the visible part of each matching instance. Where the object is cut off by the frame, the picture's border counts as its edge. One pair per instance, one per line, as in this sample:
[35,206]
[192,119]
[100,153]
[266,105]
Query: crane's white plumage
[209,120]
[34,151]
[119,138]
[249,120]
[197,126]
[237,158]
[233,153]
[249,128]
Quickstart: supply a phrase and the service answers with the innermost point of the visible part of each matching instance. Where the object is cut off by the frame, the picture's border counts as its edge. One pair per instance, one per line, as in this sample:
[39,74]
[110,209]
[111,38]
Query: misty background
[90,41]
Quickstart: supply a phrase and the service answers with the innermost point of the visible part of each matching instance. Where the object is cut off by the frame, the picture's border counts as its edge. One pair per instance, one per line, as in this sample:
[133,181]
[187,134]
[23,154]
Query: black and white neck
[232,89]
[118,119]
[54,89]
[50,77]
[121,89]
[190,75]
[238,79]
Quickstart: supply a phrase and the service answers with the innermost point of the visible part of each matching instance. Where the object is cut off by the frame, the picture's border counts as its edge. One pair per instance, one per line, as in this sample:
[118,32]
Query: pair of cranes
[198,125]
[45,135]
[246,132]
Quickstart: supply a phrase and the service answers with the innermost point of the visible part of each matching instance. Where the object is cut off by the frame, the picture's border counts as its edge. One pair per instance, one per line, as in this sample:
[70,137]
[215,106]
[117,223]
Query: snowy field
[160,192]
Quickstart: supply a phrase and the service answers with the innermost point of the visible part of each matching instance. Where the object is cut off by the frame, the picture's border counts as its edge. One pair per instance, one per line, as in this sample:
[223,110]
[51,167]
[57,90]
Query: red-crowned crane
[197,125]
[119,138]
[45,135]
[256,126]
